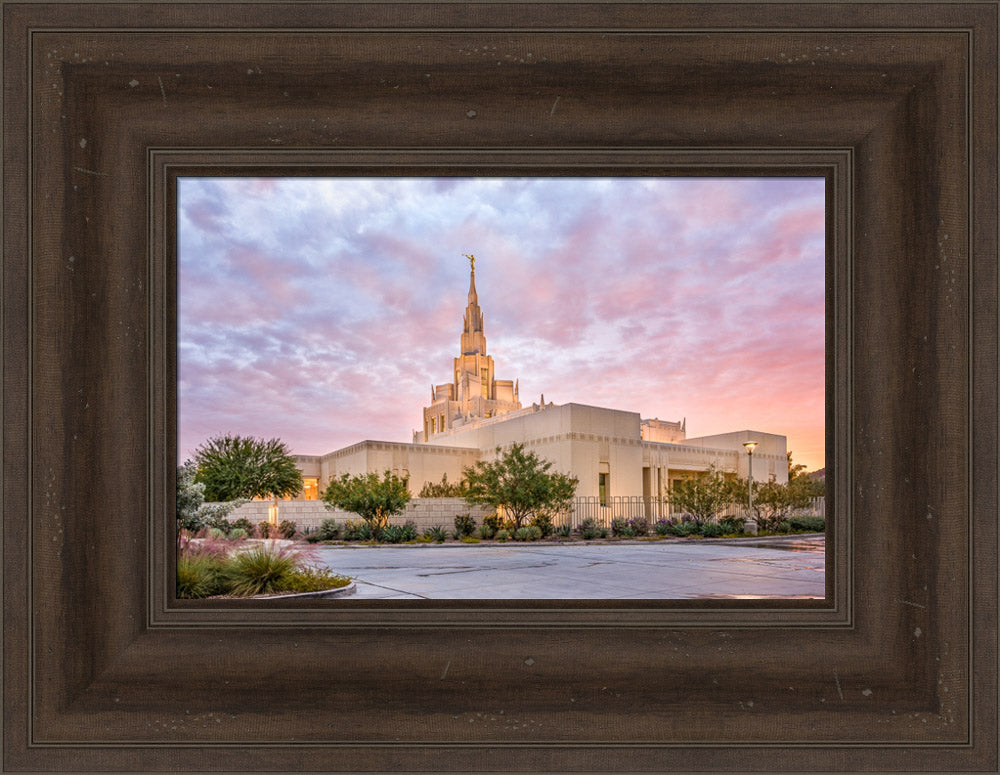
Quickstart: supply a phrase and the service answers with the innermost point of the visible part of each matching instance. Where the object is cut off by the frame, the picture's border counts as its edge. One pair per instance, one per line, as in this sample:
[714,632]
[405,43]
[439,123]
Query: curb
[323,594]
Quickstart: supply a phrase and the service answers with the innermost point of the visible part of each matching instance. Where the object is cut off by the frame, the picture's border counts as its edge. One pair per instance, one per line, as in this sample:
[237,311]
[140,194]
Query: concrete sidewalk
[593,570]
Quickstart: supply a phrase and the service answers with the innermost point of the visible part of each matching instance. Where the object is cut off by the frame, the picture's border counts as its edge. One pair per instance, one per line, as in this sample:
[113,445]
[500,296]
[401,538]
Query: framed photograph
[107,107]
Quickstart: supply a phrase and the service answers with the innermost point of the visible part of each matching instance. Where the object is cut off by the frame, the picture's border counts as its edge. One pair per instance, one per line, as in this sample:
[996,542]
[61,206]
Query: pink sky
[320,310]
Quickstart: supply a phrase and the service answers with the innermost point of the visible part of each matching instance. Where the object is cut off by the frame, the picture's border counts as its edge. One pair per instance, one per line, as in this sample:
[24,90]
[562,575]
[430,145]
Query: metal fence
[652,509]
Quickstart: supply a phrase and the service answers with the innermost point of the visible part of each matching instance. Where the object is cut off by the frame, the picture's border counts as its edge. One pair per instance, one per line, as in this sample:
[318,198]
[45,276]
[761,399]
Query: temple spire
[473,298]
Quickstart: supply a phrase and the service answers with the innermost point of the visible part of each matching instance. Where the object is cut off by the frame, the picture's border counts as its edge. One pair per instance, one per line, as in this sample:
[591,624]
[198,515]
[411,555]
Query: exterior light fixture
[750,447]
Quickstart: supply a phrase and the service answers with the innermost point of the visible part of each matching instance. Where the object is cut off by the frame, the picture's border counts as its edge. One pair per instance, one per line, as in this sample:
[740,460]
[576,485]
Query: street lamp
[750,447]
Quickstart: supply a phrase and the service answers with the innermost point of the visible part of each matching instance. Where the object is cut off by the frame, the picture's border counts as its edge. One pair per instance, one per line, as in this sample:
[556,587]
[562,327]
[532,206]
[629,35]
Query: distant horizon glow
[322,310]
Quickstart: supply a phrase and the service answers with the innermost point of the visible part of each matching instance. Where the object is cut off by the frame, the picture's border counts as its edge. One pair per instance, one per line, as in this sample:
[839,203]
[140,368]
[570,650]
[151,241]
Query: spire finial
[472,261]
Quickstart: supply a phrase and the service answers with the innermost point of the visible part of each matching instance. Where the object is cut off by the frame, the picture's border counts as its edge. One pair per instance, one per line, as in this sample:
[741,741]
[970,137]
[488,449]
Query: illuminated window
[441,422]
[310,488]
[484,381]
[433,424]
[602,488]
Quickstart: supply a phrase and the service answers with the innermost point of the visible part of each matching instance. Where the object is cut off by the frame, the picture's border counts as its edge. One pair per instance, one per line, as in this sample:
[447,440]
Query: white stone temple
[612,452]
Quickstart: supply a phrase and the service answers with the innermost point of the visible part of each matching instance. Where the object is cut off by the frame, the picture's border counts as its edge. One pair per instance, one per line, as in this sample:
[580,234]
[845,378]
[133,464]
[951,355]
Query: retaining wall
[425,512]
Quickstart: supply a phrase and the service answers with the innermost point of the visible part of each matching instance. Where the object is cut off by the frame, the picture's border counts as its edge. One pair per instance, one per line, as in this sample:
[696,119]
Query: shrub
[662,526]
[564,531]
[808,524]
[528,533]
[392,534]
[328,530]
[589,529]
[621,528]
[242,524]
[258,571]
[437,533]
[214,532]
[493,521]
[783,527]
[486,531]
[198,576]
[237,533]
[639,525]
[264,529]
[312,580]
[502,535]
[685,528]
[357,531]
[397,534]
[287,529]
[732,526]
[712,530]
[465,525]
[543,521]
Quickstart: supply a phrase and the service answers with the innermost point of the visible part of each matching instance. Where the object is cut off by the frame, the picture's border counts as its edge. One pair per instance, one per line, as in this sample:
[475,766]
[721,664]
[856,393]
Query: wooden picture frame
[106,103]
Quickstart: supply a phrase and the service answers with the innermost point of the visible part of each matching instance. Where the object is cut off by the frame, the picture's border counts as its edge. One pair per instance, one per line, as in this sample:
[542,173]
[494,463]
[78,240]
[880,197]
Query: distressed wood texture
[106,104]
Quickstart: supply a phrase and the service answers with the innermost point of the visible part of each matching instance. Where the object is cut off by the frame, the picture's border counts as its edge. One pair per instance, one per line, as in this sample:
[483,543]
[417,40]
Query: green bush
[264,529]
[287,529]
[590,529]
[328,530]
[564,531]
[502,535]
[465,525]
[357,531]
[621,528]
[543,522]
[214,532]
[397,534]
[198,576]
[437,533]
[528,533]
[683,529]
[808,524]
[494,521]
[662,526]
[258,571]
[783,527]
[712,530]
[312,580]
[237,534]
[486,532]
[242,524]
[732,526]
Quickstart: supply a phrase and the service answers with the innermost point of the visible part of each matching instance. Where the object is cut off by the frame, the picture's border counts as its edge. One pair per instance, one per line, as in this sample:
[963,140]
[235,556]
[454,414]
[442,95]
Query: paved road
[619,571]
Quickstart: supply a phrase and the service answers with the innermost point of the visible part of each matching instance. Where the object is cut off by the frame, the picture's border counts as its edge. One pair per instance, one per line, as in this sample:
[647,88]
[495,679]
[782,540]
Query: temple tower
[474,394]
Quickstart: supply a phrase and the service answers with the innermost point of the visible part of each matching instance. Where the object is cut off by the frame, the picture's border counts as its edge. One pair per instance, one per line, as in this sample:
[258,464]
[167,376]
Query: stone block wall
[425,512]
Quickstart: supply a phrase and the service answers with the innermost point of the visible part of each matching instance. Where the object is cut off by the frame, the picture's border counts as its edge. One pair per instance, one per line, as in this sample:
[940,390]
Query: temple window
[433,424]
[310,488]
[602,488]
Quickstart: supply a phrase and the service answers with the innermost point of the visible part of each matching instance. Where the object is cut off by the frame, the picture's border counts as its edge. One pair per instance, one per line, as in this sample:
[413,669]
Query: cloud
[321,310]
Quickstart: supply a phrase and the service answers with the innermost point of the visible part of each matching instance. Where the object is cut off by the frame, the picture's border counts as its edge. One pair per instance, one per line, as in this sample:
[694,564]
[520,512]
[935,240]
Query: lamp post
[750,447]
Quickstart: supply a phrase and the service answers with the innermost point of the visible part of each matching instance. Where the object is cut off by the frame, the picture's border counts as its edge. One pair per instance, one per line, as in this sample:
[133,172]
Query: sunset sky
[321,310]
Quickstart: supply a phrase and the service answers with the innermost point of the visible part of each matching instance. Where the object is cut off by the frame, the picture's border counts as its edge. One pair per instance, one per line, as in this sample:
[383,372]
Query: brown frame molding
[106,103]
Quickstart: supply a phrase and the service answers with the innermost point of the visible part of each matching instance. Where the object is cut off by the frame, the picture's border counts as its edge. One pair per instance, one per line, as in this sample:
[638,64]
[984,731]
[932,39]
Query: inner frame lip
[166,165]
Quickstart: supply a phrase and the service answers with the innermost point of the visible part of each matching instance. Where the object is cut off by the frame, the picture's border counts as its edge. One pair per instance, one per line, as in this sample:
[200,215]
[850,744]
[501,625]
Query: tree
[702,496]
[373,498]
[192,513]
[520,484]
[443,489]
[234,467]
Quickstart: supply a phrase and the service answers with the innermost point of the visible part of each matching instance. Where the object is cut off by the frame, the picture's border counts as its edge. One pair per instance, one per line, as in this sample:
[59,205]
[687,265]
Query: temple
[475,394]
[612,452]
